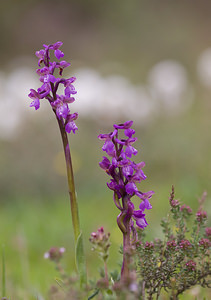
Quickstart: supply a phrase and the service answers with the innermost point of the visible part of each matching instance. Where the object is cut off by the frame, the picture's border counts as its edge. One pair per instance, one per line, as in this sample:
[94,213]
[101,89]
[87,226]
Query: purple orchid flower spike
[51,83]
[125,174]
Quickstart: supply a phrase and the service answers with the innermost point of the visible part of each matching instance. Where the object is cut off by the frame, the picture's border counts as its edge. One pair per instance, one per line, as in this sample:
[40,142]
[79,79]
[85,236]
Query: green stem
[70,179]
[125,272]
[79,250]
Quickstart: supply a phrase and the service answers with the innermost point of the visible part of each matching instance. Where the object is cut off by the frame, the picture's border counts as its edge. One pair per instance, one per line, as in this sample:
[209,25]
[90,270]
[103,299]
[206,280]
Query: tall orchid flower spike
[50,74]
[125,174]
[50,84]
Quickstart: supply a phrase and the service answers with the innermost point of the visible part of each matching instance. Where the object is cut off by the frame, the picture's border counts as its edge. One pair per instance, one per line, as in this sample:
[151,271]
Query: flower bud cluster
[201,216]
[191,265]
[55,254]
[205,243]
[51,83]
[171,245]
[100,242]
[186,209]
[208,232]
[185,245]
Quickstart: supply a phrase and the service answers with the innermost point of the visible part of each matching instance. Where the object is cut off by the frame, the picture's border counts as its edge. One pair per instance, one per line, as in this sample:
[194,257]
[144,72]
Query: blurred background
[149,61]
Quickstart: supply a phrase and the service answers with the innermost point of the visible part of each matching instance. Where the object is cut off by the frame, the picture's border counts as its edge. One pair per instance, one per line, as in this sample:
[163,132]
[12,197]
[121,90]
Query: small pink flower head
[174,203]
[100,242]
[171,245]
[208,232]
[191,265]
[205,243]
[201,216]
[186,209]
[99,236]
[149,245]
[55,254]
[185,244]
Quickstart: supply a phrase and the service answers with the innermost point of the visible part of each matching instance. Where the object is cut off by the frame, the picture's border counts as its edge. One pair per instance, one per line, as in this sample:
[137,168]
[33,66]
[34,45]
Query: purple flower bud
[129,151]
[149,245]
[186,209]
[208,231]
[63,64]
[127,171]
[58,54]
[105,163]
[191,265]
[125,125]
[129,132]
[140,219]
[62,110]
[205,243]
[201,216]
[44,90]
[55,254]
[174,203]
[40,54]
[47,78]
[71,126]
[131,188]
[56,46]
[145,205]
[185,244]
[109,148]
[36,99]
[171,245]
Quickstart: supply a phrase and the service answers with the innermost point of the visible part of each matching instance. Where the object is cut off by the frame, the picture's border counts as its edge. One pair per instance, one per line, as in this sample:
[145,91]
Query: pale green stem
[106,270]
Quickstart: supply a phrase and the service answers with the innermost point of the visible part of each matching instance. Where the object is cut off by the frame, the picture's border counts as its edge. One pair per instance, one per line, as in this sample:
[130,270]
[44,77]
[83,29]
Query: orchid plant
[125,174]
[66,121]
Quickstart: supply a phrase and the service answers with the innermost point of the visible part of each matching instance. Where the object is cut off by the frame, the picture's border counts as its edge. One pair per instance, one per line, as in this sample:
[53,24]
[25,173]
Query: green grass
[30,228]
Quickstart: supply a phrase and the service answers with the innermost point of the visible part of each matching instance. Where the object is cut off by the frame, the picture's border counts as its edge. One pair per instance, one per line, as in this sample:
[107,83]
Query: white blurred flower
[168,85]
[14,102]
[111,97]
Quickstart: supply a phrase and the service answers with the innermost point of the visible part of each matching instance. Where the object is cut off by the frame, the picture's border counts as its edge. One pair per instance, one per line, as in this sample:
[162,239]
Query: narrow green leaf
[80,260]
[93,295]
[3,274]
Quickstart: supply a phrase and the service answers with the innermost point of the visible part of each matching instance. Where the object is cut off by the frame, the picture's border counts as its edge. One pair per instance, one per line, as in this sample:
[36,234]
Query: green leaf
[93,295]
[109,292]
[80,260]
[3,274]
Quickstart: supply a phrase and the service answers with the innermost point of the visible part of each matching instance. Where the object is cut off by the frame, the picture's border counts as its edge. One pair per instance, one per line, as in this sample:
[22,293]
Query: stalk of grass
[3,273]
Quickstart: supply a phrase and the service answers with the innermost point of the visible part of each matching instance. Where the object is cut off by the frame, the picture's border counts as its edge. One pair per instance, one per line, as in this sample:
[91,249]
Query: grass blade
[3,273]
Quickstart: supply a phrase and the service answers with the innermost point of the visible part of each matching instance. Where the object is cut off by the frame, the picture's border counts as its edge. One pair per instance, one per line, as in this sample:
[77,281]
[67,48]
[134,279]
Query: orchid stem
[70,179]
[73,204]
[125,272]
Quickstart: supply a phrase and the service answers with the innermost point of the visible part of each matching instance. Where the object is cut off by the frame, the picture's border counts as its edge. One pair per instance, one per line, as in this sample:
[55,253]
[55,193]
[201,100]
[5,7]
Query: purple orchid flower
[50,85]
[125,174]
